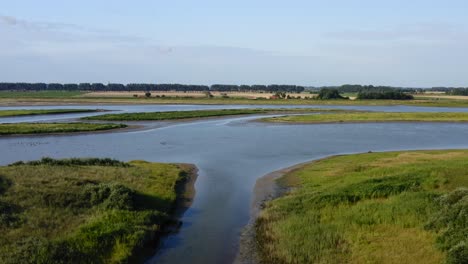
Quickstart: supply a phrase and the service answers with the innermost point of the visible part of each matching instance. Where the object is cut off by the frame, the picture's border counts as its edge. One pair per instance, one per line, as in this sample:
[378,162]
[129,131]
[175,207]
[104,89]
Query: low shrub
[384,95]
[110,196]
[452,223]
[73,162]
[327,94]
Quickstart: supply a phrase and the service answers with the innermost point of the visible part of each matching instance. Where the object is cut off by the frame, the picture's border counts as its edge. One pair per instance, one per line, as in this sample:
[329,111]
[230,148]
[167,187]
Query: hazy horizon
[309,43]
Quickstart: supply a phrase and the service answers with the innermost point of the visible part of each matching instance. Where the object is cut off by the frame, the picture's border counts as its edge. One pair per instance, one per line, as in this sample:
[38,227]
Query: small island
[54,128]
[29,112]
[197,114]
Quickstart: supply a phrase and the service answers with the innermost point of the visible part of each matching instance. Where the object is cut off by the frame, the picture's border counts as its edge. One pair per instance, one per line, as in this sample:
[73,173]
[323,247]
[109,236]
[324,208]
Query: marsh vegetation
[394,207]
[8,113]
[52,128]
[172,115]
[356,117]
[92,210]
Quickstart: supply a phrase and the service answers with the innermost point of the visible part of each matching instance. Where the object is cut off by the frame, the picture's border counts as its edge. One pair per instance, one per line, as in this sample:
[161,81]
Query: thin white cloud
[403,32]
[8,20]
[64,31]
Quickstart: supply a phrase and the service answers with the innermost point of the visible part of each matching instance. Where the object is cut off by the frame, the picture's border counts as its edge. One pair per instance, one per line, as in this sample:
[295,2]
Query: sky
[314,43]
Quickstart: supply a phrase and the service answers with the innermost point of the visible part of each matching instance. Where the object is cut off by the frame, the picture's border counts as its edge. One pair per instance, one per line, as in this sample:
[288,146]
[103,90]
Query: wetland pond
[231,153]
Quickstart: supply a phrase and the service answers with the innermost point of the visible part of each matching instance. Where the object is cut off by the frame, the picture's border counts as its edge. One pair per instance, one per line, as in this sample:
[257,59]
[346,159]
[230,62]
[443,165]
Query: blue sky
[401,43]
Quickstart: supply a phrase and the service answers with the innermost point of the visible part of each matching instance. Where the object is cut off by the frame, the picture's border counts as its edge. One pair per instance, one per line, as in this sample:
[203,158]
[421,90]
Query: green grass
[394,207]
[40,94]
[171,115]
[51,128]
[91,211]
[8,113]
[372,117]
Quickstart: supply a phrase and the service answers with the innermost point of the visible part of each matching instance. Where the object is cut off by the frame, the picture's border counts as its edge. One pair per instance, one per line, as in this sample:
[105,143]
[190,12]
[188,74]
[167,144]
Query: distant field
[67,98]
[8,113]
[441,96]
[356,117]
[394,207]
[85,210]
[52,128]
[246,95]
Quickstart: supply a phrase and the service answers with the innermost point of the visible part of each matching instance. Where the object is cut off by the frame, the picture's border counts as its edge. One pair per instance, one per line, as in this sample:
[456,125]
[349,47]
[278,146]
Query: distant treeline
[385,95]
[147,87]
[347,88]
[356,88]
[266,88]
[457,91]
[367,92]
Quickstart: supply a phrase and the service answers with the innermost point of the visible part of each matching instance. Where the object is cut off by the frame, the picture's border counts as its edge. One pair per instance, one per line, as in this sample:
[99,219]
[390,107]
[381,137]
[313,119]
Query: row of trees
[328,93]
[388,95]
[457,91]
[393,94]
[252,88]
[347,88]
[100,87]
[147,87]
[356,88]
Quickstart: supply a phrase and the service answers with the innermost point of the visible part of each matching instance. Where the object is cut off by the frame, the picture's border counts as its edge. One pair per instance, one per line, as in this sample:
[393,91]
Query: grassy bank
[171,115]
[86,210]
[8,113]
[358,117]
[40,94]
[52,128]
[394,207]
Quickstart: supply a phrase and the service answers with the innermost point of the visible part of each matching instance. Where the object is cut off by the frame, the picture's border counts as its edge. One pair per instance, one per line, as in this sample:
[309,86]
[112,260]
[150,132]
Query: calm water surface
[231,154]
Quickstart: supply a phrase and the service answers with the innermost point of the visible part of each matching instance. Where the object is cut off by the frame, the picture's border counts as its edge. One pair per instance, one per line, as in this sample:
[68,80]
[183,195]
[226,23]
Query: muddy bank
[266,188]
[185,190]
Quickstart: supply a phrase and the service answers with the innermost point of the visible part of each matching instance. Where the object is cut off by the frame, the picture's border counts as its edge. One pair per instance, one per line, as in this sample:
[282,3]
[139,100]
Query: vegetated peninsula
[10,113]
[172,115]
[88,210]
[54,128]
[362,117]
[393,207]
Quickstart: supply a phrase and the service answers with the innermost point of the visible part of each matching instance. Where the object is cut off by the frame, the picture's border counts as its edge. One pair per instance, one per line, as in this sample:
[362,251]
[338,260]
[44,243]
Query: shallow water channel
[231,154]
